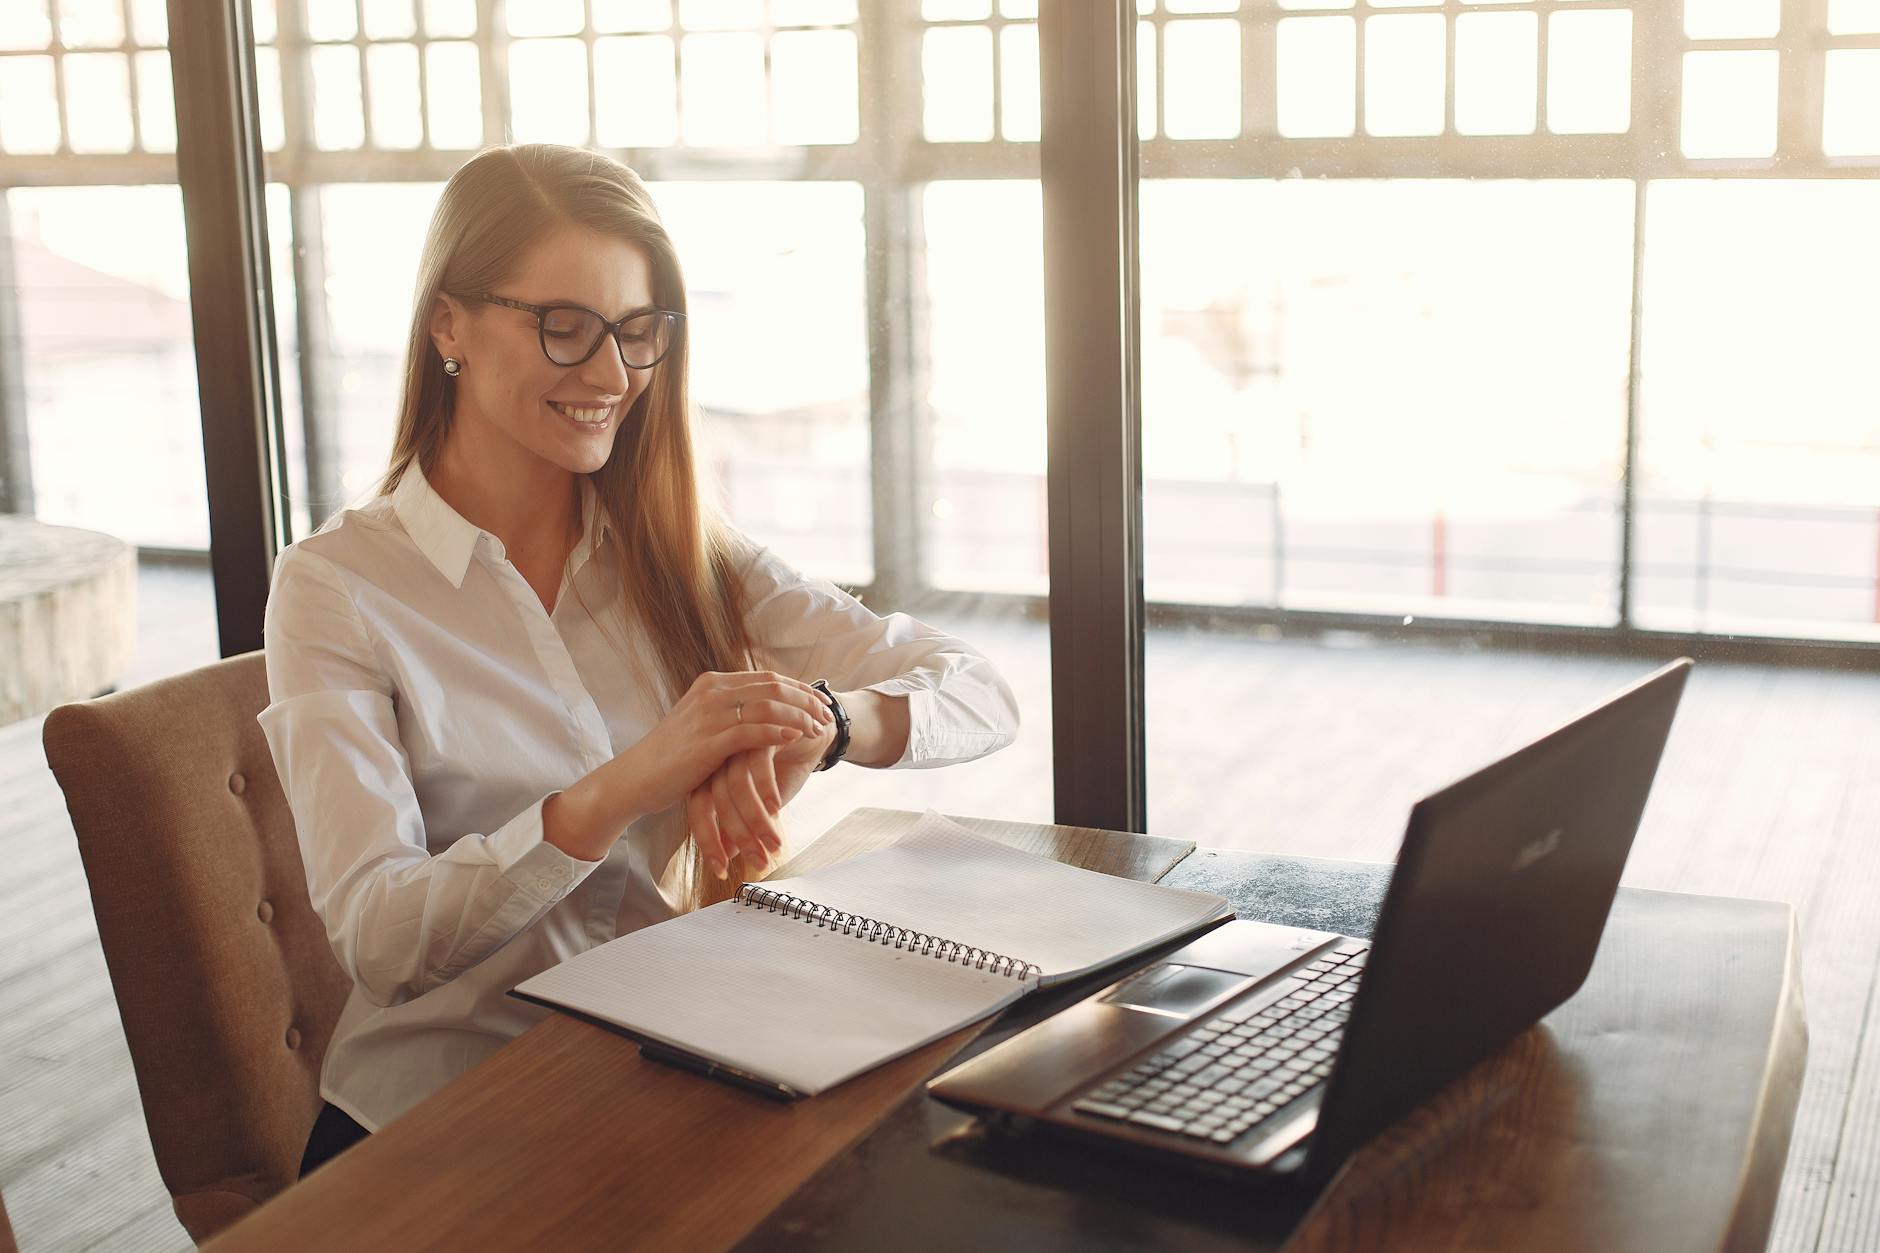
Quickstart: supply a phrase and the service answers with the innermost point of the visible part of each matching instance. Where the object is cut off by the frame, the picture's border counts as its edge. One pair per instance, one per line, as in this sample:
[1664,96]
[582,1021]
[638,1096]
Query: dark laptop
[1280,1050]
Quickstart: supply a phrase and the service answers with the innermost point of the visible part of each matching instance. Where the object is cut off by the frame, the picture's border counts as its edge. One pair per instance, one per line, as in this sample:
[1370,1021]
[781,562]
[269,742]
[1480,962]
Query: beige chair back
[224,980]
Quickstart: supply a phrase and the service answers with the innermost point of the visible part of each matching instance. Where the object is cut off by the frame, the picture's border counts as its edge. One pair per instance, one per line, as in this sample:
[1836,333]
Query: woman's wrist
[878,727]
[585,819]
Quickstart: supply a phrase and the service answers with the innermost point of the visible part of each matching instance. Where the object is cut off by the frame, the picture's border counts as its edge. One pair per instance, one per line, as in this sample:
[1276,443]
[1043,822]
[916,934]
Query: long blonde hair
[677,565]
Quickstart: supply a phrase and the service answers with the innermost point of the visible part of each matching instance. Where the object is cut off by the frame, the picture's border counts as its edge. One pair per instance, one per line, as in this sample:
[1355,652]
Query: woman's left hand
[745,795]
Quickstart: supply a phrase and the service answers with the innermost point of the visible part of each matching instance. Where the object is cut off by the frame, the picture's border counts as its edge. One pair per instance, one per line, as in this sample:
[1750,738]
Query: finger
[702,818]
[744,736]
[742,775]
[782,689]
[764,775]
[731,820]
[760,816]
[778,713]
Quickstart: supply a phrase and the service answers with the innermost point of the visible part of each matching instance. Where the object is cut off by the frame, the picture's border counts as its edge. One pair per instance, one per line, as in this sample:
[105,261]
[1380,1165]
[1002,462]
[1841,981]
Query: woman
[533,695]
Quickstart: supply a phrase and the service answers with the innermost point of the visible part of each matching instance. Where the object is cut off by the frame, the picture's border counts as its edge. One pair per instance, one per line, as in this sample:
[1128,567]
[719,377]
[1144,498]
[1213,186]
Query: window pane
[338,112]
[1317,76]
[1495,73]
[1589,72]
[955,10]
[29,113]
[390,19]
[721,14]
[1854,17]
[90,23]
[782,411]
[956,83]
[1403,74]
[268,87]
[331,19]
[397,110]
[1759,454]
[1731,19]
[453,76]
[1201,97]
[151,20]
[25,25]
[156,102]
[1851,113]
[721,82]
[1018,83]
[98,101]
[548,98]
[636,91]
[112,418]
[985,282]
[813,87]
[813,12]
[450,19]
[113,436]
[1145,80]
[629,15]
[545,17]
[1729,104]
[1398,397]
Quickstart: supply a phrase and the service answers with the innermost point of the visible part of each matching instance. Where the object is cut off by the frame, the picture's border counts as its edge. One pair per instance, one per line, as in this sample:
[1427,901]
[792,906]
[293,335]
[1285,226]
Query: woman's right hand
[720,716]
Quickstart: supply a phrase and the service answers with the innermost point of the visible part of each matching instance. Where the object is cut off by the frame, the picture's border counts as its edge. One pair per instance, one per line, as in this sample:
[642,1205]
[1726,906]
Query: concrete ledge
[68,615]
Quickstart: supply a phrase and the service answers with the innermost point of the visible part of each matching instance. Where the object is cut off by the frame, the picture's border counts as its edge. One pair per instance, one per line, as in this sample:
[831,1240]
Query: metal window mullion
[360,44]
[1800,78]
[493,48]
[58,98]
[307,236]
[16,461]
[218,165]
[1088,165]
[899,421]
[1259,64]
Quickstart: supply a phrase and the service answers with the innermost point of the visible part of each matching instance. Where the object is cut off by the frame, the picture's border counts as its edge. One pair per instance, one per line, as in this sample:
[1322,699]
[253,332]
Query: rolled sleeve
[959,705]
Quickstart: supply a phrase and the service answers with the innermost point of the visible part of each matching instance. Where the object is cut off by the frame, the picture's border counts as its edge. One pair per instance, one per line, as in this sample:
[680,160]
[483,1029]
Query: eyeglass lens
[570,336]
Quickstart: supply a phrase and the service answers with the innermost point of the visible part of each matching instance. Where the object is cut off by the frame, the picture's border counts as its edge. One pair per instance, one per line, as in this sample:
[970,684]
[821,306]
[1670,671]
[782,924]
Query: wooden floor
[1770,788]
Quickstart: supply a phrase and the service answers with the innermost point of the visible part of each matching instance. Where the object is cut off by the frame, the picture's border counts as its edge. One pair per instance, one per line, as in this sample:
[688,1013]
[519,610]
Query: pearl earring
[452,366]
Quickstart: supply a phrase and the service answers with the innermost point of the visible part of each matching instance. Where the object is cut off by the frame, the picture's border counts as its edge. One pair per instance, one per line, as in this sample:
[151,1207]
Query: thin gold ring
[739,709]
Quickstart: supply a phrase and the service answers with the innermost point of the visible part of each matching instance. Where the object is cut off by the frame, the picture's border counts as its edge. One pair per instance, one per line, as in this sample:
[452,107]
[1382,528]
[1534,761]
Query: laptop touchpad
[1176,990]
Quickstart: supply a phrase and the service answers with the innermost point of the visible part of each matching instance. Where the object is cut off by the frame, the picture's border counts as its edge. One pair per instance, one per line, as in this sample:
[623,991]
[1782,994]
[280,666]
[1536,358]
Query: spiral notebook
[804,982]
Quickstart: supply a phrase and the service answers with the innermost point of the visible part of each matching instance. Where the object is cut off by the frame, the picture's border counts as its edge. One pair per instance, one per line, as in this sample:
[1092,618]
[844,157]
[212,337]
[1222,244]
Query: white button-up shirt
[423,706]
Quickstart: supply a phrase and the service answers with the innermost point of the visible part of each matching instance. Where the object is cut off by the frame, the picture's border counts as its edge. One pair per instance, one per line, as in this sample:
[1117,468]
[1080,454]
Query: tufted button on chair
[224,980]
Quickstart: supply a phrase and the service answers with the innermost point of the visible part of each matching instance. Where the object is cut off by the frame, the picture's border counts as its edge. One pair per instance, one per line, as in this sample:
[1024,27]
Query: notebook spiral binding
[754,896]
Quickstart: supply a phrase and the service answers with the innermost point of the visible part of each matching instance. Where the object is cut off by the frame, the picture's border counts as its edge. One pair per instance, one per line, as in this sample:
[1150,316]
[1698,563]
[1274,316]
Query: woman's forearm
[586,818]
[878,727]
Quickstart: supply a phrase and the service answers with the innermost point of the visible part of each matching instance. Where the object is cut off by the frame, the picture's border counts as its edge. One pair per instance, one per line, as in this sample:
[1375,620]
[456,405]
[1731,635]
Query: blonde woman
[533,694]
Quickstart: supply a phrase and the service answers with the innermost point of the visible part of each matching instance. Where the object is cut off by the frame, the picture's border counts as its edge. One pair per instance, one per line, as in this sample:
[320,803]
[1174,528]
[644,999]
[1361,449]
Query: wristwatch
[840,748]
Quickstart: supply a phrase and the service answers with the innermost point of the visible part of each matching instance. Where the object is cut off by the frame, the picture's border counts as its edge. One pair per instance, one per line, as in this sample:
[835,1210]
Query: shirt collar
[448,539]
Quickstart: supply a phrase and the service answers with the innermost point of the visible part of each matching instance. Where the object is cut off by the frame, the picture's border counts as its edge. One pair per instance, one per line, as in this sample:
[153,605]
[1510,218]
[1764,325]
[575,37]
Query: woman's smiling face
[565,415]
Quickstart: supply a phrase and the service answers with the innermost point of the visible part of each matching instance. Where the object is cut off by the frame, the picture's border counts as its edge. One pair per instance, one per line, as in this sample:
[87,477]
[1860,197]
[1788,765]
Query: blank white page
[773,995]
[943,880]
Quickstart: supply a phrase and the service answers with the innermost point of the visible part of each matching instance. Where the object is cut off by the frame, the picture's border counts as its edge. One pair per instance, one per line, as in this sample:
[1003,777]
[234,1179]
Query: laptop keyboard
[1241,1067]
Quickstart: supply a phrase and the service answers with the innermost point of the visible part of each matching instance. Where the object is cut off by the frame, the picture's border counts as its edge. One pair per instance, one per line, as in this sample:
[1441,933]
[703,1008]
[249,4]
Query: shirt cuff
[920,706]
[532,864]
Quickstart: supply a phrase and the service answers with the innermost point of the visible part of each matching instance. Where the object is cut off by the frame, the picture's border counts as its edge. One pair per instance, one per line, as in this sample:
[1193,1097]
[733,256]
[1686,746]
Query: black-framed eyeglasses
[571,334]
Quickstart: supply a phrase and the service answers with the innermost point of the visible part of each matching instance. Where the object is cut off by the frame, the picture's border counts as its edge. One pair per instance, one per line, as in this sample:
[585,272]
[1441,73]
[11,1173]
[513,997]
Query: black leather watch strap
[839,749]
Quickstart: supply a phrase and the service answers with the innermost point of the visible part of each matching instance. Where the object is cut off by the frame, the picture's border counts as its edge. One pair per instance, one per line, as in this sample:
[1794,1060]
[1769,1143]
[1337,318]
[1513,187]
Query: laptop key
[1180,1049]
[1102,1109]
[1161,1122]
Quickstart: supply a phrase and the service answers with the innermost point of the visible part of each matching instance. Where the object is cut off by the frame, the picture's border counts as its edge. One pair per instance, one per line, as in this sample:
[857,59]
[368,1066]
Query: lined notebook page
[773,995]
[943,880]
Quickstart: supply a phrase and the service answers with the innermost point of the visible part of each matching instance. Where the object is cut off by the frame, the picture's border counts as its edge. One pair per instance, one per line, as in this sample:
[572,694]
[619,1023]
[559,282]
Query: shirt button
[237,784]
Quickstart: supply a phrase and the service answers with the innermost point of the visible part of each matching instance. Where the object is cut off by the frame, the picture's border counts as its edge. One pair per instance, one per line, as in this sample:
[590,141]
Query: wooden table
[1652,1111]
